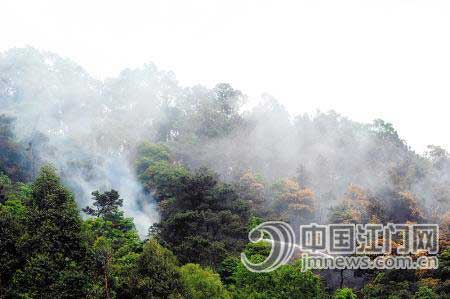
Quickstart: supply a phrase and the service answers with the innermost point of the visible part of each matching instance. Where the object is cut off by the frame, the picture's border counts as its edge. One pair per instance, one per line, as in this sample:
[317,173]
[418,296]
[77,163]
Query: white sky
[365,59]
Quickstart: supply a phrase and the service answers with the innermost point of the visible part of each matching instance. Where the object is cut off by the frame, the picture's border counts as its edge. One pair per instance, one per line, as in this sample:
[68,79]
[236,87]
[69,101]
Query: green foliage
[158,175]
[13,159]
[443,271]
[53,217]
[288,281]
[261,248]
[201,283]
[52,245]
[227,269]
[5,185]
[165,180]
[149,153]
[106,205]
[442,274]
[114,246]
[398,283]
[206,114]
[344,293]
[112,253]
[155,275]
[12,218]
[46,250]
[425,293]
[45,275]
[254,222]
[202,220]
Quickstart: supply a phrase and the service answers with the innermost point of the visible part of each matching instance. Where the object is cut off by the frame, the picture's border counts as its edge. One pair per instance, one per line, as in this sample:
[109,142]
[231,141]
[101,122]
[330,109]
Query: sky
[364,59]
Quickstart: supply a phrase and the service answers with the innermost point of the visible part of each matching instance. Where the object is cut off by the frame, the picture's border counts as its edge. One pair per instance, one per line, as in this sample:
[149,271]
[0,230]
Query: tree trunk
[105,278]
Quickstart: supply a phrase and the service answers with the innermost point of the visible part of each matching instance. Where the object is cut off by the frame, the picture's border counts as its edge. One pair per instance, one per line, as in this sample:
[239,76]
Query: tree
[155,274]
[344,213]
[438,156]
[441,276]
[114,245]
[288,281]
[106,205]
[399,282]
[202,283]
[344,293]
[216,112]
[164,179]
[356,207]
[12,227]
[53,245]
[112,254]
[404,207]
[13,158]
[204,221]
[148,153]
[294,203]
[251,188]
[386,131]
[227,268]
[425,293]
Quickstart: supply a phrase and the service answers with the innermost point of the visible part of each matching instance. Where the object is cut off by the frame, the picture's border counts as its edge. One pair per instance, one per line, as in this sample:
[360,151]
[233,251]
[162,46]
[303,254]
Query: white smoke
[87,128]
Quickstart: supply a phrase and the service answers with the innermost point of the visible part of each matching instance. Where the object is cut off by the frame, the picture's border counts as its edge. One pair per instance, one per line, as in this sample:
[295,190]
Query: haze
[364,59]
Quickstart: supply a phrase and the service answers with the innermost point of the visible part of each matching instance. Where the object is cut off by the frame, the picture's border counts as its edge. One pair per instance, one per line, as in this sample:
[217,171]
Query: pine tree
[53,244]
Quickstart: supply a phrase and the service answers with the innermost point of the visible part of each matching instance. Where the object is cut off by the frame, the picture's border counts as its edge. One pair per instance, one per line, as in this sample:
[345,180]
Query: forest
[138,187]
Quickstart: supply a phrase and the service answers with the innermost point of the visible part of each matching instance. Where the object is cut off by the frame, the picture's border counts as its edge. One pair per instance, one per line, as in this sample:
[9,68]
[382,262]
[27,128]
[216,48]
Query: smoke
[90,129]
[85,127]
[325,152]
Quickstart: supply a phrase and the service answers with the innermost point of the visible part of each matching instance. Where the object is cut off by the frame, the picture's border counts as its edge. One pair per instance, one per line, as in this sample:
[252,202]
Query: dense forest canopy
[170,179]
